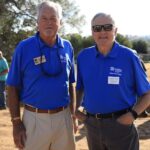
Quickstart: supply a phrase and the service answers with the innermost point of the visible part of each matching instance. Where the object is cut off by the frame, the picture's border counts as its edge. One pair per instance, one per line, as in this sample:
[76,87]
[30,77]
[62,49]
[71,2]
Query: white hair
[103,15]
[50,4]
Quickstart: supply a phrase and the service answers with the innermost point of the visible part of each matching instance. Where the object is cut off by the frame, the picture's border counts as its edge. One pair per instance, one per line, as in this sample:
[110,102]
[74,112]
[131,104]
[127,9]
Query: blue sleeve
[14,75]
[141,79]
[72,71]
[79,76]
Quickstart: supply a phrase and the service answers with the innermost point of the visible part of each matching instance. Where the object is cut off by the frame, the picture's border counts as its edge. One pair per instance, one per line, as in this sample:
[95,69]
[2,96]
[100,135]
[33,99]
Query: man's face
[103,31]
[48,22]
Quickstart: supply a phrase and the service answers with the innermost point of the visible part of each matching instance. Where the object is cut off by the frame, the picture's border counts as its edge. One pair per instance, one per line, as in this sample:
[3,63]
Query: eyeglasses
[105,27]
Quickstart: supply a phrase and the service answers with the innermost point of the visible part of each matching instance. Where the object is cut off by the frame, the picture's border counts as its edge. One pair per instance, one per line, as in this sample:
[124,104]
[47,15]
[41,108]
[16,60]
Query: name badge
[38,60]
[113,80]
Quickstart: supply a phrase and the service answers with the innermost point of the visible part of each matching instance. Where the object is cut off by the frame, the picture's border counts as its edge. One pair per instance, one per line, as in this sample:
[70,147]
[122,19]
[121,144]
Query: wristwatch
[134,113]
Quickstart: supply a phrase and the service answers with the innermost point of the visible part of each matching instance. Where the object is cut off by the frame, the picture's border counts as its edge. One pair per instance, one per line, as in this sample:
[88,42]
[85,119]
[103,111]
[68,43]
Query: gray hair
[50,4]
[103,15]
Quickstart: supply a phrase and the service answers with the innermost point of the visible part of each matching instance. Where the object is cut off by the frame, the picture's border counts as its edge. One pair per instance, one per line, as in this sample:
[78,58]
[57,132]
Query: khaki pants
[49,131]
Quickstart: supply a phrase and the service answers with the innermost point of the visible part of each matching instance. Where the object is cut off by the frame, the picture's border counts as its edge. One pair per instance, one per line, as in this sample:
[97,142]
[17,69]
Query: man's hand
[75,123]
[80,116]
[126,119]
[19,134]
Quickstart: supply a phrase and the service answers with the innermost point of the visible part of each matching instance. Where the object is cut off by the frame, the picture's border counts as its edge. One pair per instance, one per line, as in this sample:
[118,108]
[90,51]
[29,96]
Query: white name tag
[113,80]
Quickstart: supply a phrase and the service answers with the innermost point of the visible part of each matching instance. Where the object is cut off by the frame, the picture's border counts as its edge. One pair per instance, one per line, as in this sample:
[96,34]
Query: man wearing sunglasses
[42,78]
[109,78]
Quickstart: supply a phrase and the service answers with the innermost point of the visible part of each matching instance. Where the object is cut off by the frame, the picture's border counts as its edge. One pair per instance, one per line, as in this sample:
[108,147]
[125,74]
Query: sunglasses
[105,27]
[45,68]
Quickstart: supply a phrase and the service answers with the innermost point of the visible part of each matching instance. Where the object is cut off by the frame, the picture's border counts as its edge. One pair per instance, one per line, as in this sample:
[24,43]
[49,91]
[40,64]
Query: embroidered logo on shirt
[63,58]
[38,60]
[115,71]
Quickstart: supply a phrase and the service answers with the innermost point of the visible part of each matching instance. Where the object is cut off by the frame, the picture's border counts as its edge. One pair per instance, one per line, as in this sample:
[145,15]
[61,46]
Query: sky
[132,17]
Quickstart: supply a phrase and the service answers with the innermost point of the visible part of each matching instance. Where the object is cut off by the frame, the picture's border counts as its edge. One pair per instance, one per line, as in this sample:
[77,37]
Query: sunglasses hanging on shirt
[50,66]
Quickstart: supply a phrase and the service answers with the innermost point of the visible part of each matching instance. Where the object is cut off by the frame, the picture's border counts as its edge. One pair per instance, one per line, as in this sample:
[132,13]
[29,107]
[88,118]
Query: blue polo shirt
[31,61]
[3,66]
[110,83]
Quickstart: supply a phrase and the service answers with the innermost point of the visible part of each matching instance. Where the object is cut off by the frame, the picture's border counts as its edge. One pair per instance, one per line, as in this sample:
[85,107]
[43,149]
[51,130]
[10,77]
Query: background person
[3,75]
[42,78]
[109,78]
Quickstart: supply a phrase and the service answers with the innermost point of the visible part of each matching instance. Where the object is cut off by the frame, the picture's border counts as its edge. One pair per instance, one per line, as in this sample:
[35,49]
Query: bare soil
[6,140]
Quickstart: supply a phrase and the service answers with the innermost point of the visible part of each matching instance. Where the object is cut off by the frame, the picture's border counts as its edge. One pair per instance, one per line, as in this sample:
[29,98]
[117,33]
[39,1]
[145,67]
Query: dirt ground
[6,141]
[147,65]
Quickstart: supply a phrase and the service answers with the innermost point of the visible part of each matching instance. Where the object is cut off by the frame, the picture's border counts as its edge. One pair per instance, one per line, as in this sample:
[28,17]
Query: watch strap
[134,113]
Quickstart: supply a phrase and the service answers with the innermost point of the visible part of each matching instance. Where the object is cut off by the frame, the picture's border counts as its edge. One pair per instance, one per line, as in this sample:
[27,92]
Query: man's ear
[116,29]
[61,22]
[37,27]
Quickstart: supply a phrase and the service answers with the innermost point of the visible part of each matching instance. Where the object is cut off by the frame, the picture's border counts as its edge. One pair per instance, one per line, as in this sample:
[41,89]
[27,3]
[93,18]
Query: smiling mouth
[103,38]
[49,28]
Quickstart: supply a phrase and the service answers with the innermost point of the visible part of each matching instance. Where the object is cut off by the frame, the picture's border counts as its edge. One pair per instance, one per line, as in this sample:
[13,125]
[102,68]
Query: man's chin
[49,34]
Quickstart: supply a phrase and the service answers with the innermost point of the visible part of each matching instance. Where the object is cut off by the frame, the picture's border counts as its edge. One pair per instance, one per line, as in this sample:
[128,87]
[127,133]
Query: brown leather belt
[51,111]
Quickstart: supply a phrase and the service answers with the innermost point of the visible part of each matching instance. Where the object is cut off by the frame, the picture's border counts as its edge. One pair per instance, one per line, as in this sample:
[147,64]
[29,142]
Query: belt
[108,115]
[51,111]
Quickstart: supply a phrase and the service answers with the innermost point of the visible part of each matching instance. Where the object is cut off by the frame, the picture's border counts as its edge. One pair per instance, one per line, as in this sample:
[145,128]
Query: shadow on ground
[144,130]
[82,132]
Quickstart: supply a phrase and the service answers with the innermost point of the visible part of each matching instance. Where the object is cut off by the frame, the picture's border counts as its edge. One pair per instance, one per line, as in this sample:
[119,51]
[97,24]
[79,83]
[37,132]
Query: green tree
[140,46]
[124,40]
[76,41]
[79,42]
[19,16]
[87,41]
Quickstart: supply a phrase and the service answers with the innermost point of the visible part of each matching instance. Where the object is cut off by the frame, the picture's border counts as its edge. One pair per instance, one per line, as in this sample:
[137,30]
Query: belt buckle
[97,116]
[62,108]
[36,110]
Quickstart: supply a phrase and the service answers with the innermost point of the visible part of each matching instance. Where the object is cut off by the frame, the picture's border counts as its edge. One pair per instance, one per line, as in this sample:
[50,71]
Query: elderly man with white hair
[42,78]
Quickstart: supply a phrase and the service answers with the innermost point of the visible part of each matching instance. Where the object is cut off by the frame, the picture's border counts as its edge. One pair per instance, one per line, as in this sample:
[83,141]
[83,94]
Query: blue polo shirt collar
[59,42]
[112,54]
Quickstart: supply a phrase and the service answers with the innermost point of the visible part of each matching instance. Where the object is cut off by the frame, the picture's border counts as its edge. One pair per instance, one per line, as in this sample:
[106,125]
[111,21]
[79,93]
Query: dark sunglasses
[105,27]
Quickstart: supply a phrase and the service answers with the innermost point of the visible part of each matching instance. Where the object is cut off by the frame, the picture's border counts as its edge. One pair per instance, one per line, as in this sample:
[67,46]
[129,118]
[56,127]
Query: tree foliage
[79,42]
[140,46]
[124,40]
[18,20]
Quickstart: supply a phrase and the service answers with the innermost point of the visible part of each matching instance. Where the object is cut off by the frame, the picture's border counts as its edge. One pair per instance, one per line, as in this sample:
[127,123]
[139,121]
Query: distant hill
[134,37]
